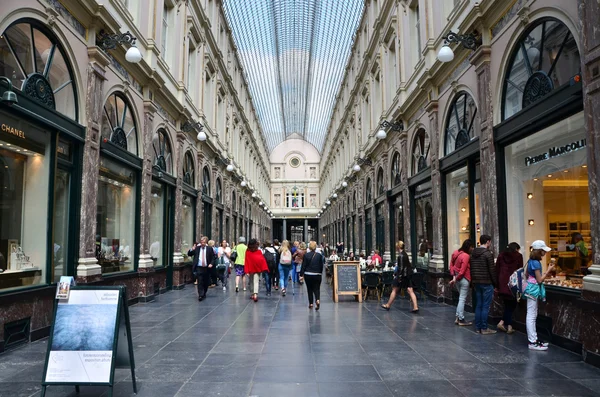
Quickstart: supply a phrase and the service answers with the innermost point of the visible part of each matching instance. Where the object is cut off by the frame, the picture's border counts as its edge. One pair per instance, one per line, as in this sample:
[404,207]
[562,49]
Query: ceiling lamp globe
[260,203]
[328,202]
[243,183]
[446,54]
[324,207]
[230,168]
[133,55]
[201,136]
[344,184]
[356,167]
[253,195]
[334,195]
[381,134]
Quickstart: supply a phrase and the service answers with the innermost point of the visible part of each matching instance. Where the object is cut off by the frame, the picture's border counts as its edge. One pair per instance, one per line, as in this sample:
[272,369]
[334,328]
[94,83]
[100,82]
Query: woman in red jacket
[506,264]
[460,269]
[254,265]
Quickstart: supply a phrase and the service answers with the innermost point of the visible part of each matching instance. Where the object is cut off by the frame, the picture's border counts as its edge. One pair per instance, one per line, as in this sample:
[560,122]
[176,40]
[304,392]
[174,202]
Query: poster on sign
[83,337]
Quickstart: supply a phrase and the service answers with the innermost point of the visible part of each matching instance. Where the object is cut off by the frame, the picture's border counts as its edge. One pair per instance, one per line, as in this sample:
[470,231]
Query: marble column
[306,230]
[87,268]
[386,255]
[199,203]
[437,259]
[145,263]
[406,206]
[590,14]
[284,229]
[489,192]
[177,232]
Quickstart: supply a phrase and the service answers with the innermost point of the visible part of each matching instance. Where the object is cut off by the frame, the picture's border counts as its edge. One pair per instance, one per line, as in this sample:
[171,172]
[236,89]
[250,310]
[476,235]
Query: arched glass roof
[294,53]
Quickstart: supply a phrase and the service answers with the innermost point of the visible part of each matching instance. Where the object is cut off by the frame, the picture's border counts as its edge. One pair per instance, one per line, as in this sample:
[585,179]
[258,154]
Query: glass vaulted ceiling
[294,53]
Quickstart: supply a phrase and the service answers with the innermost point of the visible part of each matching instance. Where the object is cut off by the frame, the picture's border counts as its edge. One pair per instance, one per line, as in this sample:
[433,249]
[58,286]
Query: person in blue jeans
[485,280]
[285,265]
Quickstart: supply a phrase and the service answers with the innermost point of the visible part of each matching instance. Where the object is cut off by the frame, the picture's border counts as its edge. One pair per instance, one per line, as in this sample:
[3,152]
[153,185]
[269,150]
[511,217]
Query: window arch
[396,175]
[380,182]
[163,155]
[206,181]
[368,192]
[354,202]
[544,58]
[37,64]
[118,123]
[188,169]
[233,201]
[460,122]
[219,191]
[420,152]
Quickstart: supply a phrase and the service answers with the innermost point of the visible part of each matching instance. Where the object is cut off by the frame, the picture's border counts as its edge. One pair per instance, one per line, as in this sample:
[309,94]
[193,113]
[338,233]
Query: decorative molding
[63,12]
[508,16]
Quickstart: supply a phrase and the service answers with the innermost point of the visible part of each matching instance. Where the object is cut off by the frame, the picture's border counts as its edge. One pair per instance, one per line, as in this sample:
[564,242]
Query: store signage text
[13,131]
[555,152]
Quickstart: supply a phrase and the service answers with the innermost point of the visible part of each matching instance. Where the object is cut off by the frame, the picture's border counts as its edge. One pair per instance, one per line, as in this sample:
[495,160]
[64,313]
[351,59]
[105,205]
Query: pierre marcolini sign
[555,152]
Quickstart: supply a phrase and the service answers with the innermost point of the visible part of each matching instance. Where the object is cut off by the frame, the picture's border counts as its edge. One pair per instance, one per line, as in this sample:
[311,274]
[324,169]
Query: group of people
[474,266]
[275,262]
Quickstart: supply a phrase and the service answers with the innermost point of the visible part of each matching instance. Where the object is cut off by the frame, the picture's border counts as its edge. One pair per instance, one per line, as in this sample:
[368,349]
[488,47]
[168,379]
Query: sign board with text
[90,337]
[346,280]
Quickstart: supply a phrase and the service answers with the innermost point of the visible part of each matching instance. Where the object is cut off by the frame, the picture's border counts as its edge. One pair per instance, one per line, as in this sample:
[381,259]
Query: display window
[115,223]
[423,226]
[157,223]
[25,172]
[547,197]
[187,219]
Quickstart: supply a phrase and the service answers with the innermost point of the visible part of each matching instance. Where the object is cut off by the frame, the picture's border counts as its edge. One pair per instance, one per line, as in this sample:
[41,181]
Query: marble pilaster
[285,229]
[437,259]
[177,232]
[306,230]
[145,262]
[88,268]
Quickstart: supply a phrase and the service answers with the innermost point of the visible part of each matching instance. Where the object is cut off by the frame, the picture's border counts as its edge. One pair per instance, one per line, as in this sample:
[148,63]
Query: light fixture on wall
[463,228]
[193,126]
[110,41]
[344,184]
[260,203]
[356,168]
[328,202]
[469,41]
[266,208]
[230,167]
[463,184]
[324,207]
[9,97]
[463,209]
[531,222]
[529,196]
[397,127]
[243,184]
[334,195]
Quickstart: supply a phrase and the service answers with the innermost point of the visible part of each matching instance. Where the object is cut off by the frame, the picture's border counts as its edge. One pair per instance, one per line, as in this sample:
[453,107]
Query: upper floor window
[219,192]
[460,122]
[118,123]
[36,63]
[380,182]
[164,40]
[294,198]
[163,159]
[233,202]
[206,181]
[545,58]
[188,169]
[420,152]
[396,176]
[369,192]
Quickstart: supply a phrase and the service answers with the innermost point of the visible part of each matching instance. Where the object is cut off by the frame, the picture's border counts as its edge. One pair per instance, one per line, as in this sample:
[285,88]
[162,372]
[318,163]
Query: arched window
[380,182]
[219,192]
[206,182]
[396,175]
[163,159]
[188,169]
[460,122]
[545,58]
[118,123]
[233,201]
[420,151]
[369,192]
[36,63]
[354,202]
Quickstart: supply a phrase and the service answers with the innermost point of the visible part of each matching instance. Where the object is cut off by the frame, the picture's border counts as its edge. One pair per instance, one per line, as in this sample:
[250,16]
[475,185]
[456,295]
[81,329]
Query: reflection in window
[188,169]
[460,122]
[118,123]
[396,175]
[115,222]
[24,177]
[424,225]
[380,182]
[60,247]
[369,192]
[163,159]
[157,223]
[420,152]
[35,62]
[219,192]
[187,220]
[545,58]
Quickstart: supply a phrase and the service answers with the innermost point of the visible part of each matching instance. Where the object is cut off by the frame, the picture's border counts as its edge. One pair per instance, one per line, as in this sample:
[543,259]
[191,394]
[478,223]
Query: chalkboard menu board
[346,278]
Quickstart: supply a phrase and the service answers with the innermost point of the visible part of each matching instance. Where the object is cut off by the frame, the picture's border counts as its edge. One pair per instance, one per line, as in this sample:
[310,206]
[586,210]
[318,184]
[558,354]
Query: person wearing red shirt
[254,265]
[460,269]
[506,264]
[376,259]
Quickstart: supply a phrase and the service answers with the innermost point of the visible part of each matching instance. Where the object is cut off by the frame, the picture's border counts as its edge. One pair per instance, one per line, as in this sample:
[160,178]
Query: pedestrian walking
[460,268]
[485,280]
[223,263]
[271,257]
[535,291]
[507,263]
[298,256]
[204,258]
[285,265]
[254,265]
[403,279]
[275,275]
[240,258]
[311,271]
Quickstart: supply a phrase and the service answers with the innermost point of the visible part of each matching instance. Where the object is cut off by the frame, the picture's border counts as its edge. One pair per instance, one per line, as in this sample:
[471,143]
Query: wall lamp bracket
[110,41]
[9,97]
[469,41]
[397,127]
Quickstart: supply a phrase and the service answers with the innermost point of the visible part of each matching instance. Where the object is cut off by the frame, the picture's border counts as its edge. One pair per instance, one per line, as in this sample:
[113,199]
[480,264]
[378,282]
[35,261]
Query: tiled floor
[228,345]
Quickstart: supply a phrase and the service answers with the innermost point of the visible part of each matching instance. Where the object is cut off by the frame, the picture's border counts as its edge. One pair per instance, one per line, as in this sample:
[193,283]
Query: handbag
[221,264]
[233,257]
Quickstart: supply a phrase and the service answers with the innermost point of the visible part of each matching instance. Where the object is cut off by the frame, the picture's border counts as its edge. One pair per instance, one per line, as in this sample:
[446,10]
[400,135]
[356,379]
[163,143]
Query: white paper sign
[83,337]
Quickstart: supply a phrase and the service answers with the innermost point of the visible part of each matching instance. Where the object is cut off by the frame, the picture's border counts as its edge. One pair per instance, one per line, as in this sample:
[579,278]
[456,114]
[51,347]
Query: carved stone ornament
[37,88]
[524,15]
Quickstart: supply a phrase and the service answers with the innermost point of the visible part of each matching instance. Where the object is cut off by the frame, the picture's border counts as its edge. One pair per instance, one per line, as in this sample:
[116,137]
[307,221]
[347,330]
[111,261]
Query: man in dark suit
[204,257]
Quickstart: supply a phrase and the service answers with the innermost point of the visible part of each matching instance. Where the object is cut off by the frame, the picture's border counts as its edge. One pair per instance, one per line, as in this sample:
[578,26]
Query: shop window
[206,182]
[460,122]
[118,123]
[157,223]
[423,225]
[187,219]
[380,182]
[188,169]
[115,223]
[24,185]
[36,63]
[163,159]
[396,175]
[368,191]
[547,197]
[60,248]
[420,152]
[544,59]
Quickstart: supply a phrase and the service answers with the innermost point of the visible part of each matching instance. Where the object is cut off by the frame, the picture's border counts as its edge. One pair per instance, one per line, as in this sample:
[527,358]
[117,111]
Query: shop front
[421,203]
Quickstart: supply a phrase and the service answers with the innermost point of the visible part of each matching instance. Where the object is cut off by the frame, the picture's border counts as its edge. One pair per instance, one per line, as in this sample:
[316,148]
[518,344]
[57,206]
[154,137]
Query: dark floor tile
[431,388]
[554,354]
[260,389]
[410,371]
[462,371]
[238,347]
[578,370]
[502,358]
[22,389]
[592,384]
[147,389]
[65,391]
[231,359]
[490,387]
[353,389]
[335,346]
[557,388]
[286,359]
[340,358]
[214,389]
[398,346]
[390,359]
[170,357]
[223,374]
[164,373]
[285,374]
[347,373]
[530,370]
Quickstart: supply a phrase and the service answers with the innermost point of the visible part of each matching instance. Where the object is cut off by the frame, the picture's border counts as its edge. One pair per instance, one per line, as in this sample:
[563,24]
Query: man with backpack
[271,258]
[485,280]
